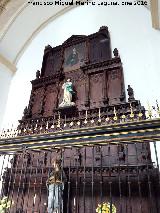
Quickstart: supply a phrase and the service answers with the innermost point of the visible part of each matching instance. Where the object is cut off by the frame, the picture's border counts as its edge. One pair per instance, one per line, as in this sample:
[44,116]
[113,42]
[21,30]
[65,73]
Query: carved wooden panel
[94,51]
[104,48]
[93,80]
[114,86]
[38,102]
[49,64]
[80,93]
[60,93]
[52,62]
[57,60]
[96,88]
[51,94]
[99,49]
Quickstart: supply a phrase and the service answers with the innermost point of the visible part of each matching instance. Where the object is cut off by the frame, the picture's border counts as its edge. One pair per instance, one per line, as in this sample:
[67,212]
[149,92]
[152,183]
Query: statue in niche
[67,95]
[55,185]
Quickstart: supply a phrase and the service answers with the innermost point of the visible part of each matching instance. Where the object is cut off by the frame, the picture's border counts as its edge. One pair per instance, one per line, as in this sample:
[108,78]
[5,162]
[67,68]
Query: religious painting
[74,57]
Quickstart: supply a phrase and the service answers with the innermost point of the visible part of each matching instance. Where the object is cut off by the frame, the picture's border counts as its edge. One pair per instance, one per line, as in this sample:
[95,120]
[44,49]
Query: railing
[117,114]
[108,161]
[121,176]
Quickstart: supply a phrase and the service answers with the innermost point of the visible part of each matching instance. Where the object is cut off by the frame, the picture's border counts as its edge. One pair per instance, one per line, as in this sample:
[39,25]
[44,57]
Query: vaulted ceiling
[18,21]
[14,15]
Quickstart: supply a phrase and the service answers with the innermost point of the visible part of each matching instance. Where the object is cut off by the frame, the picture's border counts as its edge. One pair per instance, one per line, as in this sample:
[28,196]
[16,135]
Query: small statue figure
[25,112]
[47,48]
[67,95]
[130,93]
[55,185]
[78,157]
[115,52]
[38,74]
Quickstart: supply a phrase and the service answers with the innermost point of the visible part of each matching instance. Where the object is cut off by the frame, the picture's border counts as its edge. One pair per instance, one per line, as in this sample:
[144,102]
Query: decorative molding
[3,4]
[155,13]
[109,64]
[12,17]
[8,64]
[42,26]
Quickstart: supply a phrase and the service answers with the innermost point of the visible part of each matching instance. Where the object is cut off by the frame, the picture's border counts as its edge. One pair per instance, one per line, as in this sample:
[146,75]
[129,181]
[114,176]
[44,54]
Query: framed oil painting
[74,57]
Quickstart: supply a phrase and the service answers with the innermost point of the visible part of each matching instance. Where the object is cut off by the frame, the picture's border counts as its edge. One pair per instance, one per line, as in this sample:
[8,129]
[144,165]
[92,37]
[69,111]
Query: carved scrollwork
[114,74]
[97,78]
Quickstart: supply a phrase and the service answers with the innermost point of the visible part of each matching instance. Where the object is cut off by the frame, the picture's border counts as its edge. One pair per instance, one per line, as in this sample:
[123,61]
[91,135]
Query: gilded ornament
[71,124]
[107,119]
[58,125]
[140,115]
[85,121]
[92,121]
[99,120]
[158,108]
[115,118]
[78,123]
[47,126]
[5,204]
[131,115]
[52,127]
[123,116]
[65,122]
[106,208]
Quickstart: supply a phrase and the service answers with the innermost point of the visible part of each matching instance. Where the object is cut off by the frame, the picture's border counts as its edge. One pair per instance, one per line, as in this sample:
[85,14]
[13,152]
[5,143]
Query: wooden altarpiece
[99,92]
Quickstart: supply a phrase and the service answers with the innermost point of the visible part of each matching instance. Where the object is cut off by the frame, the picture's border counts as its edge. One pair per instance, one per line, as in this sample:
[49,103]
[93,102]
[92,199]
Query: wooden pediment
[74,38]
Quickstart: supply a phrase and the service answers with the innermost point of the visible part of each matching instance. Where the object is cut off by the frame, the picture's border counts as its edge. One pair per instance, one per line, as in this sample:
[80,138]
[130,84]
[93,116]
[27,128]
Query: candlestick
[86,114]
[47,126]
[115,115]
[65,121]
[132,114]
[85,121]
[158,108]
[99,113]
[59,120]
[74,201]
[34,199]
[149,110]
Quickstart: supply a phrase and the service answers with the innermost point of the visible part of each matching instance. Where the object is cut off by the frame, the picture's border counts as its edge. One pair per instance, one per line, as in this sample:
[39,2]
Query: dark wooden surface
[97,78]
[98,83]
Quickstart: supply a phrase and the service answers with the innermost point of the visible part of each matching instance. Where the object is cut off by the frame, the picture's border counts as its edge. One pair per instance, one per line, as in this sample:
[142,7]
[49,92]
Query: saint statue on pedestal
[67,95]
[55,186]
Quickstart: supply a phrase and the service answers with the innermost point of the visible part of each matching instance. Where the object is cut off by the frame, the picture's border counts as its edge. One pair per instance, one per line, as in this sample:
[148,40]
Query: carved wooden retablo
[80,85]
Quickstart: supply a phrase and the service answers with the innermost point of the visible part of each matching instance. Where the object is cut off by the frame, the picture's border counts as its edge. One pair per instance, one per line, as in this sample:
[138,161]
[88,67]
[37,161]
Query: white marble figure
[67,95]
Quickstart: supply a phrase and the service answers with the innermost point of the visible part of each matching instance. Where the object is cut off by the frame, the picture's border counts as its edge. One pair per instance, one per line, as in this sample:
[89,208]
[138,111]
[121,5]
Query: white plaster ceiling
[19,24]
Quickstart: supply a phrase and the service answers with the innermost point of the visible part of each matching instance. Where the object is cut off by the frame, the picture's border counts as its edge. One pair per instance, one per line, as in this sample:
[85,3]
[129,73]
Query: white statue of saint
[67,95]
